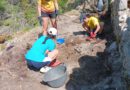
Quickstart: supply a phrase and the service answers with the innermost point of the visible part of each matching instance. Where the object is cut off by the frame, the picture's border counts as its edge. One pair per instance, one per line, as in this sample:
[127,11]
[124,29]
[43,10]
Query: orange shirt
[47,5]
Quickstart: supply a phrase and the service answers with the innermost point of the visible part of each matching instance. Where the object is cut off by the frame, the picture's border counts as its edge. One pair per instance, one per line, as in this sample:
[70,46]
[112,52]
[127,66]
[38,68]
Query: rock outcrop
[121,24]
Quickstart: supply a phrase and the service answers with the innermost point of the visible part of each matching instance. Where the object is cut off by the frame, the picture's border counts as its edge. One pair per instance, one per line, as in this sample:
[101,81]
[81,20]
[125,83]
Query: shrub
[2,5]
[62,5]
[30,11]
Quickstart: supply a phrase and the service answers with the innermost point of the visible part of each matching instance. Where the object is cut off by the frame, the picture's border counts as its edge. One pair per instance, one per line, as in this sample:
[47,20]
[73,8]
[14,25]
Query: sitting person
[43,51]
[92,25]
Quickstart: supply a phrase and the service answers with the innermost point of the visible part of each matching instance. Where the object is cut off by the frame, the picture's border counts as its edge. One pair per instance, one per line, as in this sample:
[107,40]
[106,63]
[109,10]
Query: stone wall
[121,24]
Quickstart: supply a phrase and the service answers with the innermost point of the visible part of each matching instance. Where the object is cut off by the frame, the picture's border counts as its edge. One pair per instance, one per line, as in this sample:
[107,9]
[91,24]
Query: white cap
[52,31]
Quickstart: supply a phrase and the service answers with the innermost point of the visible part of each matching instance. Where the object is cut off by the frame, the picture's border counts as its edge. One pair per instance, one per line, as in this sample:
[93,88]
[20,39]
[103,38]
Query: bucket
[56,77]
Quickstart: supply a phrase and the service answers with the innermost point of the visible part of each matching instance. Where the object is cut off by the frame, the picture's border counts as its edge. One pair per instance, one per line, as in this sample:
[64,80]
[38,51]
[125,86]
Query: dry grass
[2,47]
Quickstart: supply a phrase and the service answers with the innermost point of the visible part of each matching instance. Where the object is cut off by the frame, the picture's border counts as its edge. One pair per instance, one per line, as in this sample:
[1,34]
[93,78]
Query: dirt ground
[85,60]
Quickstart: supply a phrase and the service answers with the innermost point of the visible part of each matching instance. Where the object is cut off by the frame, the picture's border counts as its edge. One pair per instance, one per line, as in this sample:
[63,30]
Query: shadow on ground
[79,33]
[92,70]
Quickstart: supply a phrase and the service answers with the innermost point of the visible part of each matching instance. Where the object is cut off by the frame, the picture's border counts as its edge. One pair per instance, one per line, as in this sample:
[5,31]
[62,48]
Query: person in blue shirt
[43,51]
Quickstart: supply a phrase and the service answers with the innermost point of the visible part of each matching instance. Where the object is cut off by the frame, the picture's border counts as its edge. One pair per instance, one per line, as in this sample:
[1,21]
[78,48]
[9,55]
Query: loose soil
[85,60]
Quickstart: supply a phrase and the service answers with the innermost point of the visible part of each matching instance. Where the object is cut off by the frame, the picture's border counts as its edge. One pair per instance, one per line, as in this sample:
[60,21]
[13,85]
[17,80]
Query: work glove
[40,20]
[92,35]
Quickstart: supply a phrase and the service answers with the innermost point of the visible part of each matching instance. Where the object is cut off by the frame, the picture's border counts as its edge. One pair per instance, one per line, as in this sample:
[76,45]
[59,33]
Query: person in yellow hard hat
[47,9]
[92,25]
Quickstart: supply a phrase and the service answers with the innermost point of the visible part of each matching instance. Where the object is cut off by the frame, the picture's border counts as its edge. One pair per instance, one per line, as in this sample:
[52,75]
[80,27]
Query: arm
[56,5]
[39,7]
[97,29]
[47,51]
[84,26]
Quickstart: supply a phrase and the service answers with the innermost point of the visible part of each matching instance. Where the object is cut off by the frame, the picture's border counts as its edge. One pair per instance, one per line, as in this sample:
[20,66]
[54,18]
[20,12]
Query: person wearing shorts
[43,51]
[48,9]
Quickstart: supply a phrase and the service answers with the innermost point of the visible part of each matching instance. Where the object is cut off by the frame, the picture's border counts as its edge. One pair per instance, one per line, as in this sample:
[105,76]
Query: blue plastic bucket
[60,40]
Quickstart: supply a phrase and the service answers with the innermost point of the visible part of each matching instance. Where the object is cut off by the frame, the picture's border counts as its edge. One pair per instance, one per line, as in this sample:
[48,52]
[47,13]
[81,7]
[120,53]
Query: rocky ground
[87,62]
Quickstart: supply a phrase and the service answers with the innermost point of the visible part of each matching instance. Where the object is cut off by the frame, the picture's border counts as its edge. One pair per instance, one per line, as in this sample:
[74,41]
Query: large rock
[123,5]
[121,25]
[112,47]
[117,82]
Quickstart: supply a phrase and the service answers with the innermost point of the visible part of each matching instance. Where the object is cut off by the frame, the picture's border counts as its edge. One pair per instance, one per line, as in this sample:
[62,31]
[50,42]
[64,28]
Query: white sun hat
[52,31]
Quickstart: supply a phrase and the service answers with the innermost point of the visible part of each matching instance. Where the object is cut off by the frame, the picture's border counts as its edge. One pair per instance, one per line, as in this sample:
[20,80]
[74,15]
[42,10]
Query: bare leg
[101,25]
[54,23]
[53,55]
[45,25]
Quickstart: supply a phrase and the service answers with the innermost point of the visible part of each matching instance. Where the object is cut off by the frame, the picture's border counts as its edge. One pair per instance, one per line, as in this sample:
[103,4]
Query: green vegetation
[8,37]
[62,5]
[23,14]
[30,11]
[26,29]
[65,6]
[8,22]
[2,5]
[30,15]
[2,47]
[19,16]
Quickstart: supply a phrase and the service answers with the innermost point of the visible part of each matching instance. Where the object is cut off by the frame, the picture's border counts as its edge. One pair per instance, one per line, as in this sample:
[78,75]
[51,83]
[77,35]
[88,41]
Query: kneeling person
[92,25]
[43,51]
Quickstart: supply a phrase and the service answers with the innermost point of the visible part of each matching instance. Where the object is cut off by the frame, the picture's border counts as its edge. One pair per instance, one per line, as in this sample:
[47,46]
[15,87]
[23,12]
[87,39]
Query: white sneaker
[45,69]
